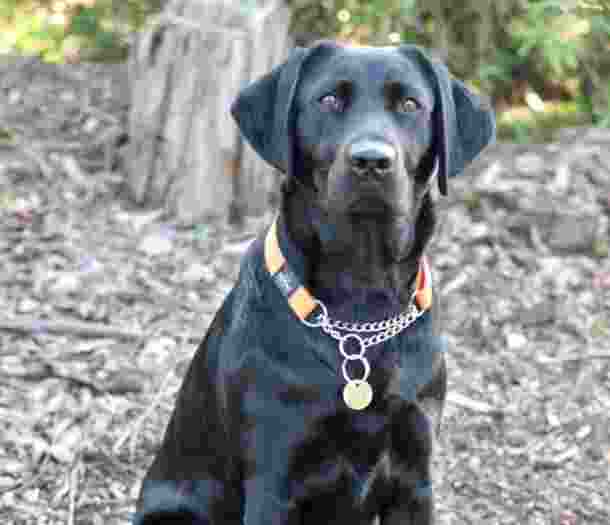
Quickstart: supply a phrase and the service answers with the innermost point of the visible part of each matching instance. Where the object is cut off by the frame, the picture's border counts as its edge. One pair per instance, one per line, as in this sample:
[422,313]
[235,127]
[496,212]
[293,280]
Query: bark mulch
[102,305]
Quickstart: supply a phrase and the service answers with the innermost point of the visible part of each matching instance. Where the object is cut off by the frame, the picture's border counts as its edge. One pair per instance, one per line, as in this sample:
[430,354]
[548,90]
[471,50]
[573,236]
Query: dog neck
[348,265]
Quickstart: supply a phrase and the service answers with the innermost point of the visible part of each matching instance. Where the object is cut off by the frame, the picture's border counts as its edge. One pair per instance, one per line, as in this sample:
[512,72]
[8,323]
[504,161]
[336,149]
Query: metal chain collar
[387,329]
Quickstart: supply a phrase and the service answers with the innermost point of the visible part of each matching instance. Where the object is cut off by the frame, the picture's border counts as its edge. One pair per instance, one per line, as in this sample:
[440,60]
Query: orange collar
[299,298]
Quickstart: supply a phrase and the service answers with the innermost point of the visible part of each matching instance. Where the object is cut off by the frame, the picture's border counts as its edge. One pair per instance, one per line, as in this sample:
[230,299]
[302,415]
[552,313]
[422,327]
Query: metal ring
[321,317]
[367,370]
[352,357]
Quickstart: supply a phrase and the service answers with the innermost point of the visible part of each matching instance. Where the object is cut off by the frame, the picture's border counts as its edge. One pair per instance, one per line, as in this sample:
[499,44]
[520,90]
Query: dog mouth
[369,206]
[370,201]
[345,194]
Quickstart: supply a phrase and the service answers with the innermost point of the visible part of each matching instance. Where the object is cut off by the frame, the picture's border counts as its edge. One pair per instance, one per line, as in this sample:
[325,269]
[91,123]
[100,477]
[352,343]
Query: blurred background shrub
[72,30]
[543,63]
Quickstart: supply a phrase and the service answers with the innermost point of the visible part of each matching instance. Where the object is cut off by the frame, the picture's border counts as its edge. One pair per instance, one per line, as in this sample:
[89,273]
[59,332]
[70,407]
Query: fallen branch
[584,357]
[575,354]
[557,460]
[48,370]
[472,404]
[31,325]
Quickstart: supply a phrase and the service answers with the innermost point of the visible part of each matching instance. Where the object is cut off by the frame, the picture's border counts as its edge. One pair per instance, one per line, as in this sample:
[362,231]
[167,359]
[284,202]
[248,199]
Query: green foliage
[6,135]
[548,46]
[86,21]
[521,132]
[522,125]
[472,200]
[601,249]
[71,29]
[378,22]
[543,28]
[604,115]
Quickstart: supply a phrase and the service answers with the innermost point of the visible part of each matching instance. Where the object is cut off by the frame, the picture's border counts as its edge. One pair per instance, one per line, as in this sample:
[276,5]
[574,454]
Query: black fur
[260,433]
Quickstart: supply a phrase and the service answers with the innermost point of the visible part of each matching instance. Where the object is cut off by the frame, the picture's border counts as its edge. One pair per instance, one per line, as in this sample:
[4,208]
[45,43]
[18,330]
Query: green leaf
[605,121]
[7,8]
[105,40]
[85,22]
[408,5]
[600,24]
[521,132]
[247,6]
[526,48]
[571,61]
[494,72]
[54,56]
[584,104]
[600,328]
[39,35]
[6,134]
[600,247]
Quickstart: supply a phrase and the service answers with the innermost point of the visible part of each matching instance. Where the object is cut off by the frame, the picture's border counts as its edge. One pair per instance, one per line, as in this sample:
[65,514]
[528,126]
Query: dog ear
[264,111]
[463,124]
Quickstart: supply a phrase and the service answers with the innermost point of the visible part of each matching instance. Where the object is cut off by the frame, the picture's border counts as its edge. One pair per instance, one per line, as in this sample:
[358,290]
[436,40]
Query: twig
[31,326]
[73,171]
[107,136]
[471,404]
[62,146]
[590,355]
[557,460]
[25,509]
[583,356]
[73,485]
[46,170]
[536,240]
[49,371]
[456,283]
[134,430]
[102,115]
[108,139]
[33,480]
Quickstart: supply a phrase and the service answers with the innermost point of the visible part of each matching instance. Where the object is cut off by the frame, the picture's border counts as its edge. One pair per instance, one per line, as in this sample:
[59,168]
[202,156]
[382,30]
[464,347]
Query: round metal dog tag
[357,394]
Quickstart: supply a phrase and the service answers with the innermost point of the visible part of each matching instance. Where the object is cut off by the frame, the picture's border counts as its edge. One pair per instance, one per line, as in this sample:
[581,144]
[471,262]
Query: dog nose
[371,156]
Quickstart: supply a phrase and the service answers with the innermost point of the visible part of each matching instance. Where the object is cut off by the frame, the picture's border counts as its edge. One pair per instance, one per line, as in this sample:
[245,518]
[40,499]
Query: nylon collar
[300,299]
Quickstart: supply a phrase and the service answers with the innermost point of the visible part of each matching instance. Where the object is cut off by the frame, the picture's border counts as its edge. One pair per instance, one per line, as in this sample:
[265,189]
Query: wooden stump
[185,70]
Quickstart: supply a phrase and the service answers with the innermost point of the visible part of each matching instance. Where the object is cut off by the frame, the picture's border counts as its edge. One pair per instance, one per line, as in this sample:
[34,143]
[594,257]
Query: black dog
[285,415]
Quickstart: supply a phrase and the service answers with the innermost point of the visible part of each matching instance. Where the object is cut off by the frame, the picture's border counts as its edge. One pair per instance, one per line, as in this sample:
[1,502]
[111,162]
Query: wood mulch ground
[102,305]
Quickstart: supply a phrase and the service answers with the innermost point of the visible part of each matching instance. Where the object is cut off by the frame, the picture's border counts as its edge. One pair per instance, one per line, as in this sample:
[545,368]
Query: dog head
[364,130]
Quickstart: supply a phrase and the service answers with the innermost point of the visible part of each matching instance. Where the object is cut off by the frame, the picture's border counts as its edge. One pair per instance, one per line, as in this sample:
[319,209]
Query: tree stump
[186,68]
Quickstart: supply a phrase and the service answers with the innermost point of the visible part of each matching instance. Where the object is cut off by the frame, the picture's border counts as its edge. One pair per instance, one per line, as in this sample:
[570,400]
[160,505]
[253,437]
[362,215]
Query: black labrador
[318,390]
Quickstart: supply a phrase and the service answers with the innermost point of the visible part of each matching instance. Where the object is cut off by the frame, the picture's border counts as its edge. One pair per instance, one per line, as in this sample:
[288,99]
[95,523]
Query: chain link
[388,327]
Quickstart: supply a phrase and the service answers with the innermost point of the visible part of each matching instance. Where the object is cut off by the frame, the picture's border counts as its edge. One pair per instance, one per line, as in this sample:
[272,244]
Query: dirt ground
[102,305]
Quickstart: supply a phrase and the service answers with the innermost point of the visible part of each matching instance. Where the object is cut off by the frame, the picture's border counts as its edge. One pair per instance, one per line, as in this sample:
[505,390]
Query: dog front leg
[410,454]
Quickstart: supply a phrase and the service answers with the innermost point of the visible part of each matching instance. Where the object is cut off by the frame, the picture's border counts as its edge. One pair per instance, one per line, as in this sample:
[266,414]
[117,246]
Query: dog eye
[408,105]
[332,102]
